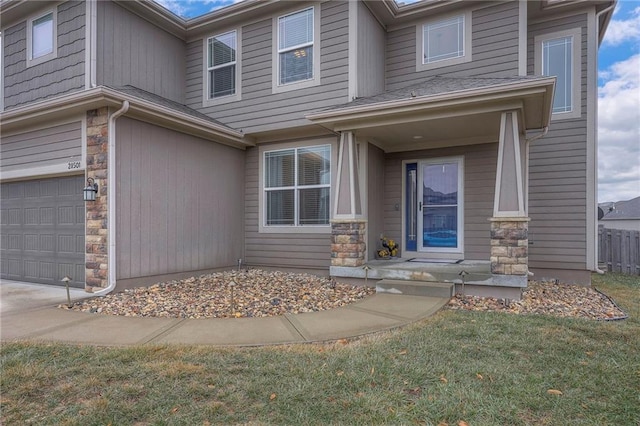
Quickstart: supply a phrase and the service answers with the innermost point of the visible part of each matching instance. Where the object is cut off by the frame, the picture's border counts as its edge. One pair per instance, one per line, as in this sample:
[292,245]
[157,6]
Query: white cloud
[623,30]
[619,131]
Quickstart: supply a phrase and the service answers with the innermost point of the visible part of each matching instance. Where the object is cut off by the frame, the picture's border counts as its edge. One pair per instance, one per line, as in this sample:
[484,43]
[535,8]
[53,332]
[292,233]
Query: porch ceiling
[443,112]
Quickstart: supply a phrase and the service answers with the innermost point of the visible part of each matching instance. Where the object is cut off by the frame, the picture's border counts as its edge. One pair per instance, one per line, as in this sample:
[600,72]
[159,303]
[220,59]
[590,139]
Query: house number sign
[73,165]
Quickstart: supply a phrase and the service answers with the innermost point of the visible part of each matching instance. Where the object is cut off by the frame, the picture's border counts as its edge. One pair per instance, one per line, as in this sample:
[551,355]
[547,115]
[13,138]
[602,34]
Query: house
[295,134]
[623,215]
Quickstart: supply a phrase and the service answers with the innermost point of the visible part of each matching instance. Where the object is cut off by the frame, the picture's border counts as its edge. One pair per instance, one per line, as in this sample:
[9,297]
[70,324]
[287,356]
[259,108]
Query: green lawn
[481,368]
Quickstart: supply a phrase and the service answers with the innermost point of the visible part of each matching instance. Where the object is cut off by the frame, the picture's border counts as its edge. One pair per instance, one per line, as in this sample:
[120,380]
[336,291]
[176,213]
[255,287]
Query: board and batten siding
[480,163]
[278,250]
[55,145]
[261,110]
[494,49]
[132,51]
[371,39]
[179,202]
[63,74]
[558,174]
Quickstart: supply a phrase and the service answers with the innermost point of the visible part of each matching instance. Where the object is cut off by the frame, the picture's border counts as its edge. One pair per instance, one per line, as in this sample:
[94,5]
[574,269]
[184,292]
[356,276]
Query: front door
[434,205]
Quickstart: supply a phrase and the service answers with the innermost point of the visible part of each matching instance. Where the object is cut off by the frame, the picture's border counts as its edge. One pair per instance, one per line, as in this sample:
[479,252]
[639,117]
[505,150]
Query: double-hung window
[296,50]
[445,41]
[557,55]
[221,65]
[297,184]
[41,38]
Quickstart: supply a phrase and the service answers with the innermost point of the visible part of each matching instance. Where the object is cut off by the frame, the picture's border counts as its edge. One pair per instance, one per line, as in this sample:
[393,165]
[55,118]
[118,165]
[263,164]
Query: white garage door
[42,229]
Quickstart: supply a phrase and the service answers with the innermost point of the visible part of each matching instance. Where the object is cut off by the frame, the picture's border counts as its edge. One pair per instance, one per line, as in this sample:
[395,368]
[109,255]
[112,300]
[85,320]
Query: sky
[618,95]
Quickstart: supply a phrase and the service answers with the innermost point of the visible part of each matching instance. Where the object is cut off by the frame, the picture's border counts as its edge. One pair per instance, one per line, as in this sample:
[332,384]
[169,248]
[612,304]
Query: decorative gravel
[547,298]
[256,293]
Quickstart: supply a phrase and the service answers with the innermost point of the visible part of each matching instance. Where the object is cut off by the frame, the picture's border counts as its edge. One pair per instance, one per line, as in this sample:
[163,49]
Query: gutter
[111,194]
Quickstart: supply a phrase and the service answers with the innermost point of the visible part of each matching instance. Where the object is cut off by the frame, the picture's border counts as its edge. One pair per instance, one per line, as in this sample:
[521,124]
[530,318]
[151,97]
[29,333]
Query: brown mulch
[547,298]
[256,293]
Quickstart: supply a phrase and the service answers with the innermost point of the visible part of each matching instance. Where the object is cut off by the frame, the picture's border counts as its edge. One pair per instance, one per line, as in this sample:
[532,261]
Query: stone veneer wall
[348,242]
[96,239]
[510,246]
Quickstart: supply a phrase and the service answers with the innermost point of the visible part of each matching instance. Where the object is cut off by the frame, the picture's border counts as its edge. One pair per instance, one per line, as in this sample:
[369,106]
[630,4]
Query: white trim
[276,87]
[83,135]
[38,172]
[576,68]
[206,101]
[592,142]
[451,252]
[91,44]
[48,56]
[1,70]
[518,165]
[289,229]
[522,37]
[352,91]
[467,42]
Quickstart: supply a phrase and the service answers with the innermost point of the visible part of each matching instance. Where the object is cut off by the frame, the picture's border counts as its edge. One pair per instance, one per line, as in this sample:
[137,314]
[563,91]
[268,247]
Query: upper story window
[297,50]
[297,184]
[558,55]
[41,38]
[221,65]
[445,41]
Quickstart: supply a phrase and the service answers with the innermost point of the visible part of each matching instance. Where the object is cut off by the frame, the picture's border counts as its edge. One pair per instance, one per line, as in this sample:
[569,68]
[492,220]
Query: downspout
[111,194]
[603,11]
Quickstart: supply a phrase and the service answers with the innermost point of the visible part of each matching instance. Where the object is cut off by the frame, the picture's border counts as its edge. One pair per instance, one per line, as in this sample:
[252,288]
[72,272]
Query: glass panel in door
[438,205]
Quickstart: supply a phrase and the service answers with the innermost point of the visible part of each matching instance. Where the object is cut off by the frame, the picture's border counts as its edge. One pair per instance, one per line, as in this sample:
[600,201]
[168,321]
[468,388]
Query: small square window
[443,42]
[41,38]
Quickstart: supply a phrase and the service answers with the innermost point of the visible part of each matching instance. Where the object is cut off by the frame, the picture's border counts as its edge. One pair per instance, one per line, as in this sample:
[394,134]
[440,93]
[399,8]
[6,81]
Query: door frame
[434,253]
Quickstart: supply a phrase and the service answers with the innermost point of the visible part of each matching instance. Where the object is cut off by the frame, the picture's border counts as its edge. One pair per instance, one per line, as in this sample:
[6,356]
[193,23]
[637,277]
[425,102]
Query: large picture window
[295,46]
[221,65]
[297,184]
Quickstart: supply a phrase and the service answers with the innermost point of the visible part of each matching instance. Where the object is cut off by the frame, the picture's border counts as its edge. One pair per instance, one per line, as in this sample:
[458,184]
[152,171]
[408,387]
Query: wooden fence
[619,250]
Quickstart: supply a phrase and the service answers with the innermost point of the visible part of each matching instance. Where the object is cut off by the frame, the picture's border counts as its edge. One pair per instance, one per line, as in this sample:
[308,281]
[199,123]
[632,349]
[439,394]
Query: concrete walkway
[29,312]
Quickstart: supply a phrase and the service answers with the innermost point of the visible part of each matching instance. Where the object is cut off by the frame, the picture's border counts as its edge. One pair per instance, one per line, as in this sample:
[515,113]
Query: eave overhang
[445,119]
[140,109]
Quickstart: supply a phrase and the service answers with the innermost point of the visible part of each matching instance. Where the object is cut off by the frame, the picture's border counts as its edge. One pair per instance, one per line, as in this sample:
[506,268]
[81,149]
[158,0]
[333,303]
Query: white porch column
[510,224]
[348,227]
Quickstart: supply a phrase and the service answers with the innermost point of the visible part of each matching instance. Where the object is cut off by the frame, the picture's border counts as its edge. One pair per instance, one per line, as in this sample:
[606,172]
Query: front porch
[475,274]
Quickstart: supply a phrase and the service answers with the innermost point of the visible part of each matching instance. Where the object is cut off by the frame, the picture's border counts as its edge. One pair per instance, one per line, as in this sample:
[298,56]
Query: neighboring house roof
[623,210]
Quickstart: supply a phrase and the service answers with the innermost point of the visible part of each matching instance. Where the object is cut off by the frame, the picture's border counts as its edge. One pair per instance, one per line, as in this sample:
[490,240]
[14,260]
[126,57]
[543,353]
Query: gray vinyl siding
[371,56]
[285,250]
[63,74]
[558,175]
[132,51]
[179,204]
[375,198]
[480,162]
[260,109]
[40,148]
[494,49]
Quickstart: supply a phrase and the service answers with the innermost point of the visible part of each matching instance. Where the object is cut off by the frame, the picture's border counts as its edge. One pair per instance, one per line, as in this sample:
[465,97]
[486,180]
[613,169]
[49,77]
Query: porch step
[416,288]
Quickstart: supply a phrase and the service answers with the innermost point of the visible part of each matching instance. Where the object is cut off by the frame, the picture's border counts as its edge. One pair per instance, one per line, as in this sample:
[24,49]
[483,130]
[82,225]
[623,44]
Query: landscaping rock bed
[256,293]
[547,298]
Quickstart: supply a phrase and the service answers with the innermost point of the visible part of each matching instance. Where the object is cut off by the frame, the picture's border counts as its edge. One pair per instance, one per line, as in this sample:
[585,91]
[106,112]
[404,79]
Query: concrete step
[416,288]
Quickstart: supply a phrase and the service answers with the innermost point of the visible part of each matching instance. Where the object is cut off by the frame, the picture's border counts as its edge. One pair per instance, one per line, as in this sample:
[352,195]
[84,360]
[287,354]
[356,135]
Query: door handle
[420,206]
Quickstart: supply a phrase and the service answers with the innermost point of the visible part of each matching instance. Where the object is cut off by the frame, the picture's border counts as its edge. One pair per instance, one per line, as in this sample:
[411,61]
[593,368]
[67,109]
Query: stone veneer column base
[97,225]
[348,242]
[509,247]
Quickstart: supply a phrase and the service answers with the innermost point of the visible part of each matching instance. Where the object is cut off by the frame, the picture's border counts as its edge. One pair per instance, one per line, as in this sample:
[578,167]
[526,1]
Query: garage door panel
[42,231]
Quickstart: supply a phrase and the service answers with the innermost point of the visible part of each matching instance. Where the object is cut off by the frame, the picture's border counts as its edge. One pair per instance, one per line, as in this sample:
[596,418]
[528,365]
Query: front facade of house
[295,134]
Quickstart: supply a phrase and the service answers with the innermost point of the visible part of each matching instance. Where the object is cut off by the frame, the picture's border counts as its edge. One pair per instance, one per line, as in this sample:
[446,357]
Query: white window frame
[576,68]
[294,229]
[206,100]
[315,79]
[466,47]
[31,61]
